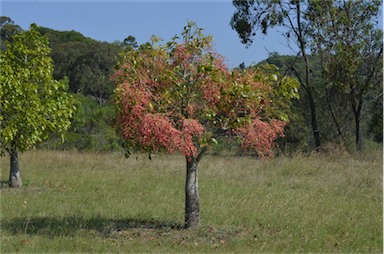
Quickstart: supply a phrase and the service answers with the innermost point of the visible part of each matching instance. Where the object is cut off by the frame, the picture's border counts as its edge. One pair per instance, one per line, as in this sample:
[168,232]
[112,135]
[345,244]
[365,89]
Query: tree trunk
[14,176]
[192,207]
[358,137]
[311,101]
[357,105]
[308,87]
[334,118]
[315,128]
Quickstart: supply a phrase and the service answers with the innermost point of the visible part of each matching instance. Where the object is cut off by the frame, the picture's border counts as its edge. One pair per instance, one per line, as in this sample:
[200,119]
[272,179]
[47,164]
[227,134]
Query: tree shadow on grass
[71,226]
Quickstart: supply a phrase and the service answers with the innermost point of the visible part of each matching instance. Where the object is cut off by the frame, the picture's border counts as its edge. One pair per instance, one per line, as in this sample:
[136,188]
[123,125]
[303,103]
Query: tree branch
[201,154]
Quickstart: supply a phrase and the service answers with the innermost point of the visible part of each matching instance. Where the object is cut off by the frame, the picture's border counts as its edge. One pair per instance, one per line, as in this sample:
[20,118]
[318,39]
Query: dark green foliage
[65,56]
[90,71]
[336,123]
[352,61]
[7,29]
[375,125]
[86,62]
[130,43]
[297,132]
[91,130]
[64,36]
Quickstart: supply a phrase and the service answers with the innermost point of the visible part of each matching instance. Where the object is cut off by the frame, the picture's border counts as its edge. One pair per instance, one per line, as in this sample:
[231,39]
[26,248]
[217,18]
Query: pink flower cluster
[259,136]
[157,132]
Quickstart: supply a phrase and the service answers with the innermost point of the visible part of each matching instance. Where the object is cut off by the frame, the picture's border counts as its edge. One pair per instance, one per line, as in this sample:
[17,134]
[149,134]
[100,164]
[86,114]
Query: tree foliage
[343,35]
[182,97]
[8,29]
[254,15]
[92,128]
[32,103]
[87,63]
[346,36]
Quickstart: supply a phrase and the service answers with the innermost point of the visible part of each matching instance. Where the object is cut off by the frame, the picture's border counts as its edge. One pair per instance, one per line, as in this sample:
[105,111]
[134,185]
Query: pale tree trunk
[14,176]
[192,206]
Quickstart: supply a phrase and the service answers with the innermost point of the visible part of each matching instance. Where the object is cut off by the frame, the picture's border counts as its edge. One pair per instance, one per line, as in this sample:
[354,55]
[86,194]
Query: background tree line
[338,63]
[336,121]
[341,84]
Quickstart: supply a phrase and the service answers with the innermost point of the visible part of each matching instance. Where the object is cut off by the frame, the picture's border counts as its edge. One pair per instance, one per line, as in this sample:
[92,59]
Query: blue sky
[115,20]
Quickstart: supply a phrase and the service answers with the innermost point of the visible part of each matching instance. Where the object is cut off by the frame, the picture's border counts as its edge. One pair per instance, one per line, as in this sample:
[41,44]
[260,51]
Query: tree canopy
[181,96]
[346,37]
[342,34]
[8,29]
[32,103]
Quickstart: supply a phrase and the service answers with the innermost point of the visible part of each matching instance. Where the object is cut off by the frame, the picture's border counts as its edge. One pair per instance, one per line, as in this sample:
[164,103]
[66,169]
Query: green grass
[87,202]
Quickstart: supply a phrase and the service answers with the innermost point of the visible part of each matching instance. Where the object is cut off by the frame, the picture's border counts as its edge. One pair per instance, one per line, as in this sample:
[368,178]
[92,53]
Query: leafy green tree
[181,97]
[64,56]
[32,103]
[8,29]
[347,37]
[91,70]
[130,43]
[127,44]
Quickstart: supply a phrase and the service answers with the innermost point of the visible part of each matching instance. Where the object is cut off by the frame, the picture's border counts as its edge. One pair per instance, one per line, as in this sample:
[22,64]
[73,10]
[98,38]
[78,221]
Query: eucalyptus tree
[347,37]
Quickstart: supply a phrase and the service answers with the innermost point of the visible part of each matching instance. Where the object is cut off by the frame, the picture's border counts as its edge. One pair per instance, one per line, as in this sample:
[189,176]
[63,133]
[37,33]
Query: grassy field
[84,202]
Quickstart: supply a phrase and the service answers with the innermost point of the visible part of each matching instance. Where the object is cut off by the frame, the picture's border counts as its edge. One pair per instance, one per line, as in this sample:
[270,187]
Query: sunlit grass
[88,202]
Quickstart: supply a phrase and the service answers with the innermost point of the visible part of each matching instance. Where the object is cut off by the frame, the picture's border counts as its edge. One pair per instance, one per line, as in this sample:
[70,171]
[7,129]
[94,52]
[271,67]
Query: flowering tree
[181,97]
